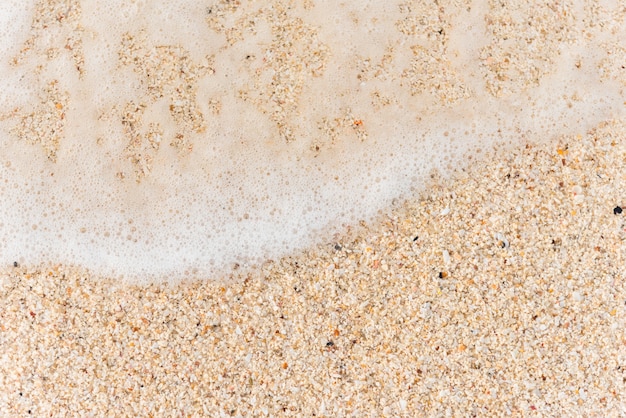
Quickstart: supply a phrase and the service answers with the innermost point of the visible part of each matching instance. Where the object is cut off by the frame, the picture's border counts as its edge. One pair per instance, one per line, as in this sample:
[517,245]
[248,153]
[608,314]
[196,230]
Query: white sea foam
[375,109]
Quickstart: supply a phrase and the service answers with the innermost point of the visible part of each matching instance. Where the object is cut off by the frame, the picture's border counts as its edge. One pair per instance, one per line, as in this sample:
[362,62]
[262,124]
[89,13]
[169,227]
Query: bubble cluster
[151,142]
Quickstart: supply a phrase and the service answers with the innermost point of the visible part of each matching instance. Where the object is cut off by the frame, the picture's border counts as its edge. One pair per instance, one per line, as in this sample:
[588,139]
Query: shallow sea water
[144,140]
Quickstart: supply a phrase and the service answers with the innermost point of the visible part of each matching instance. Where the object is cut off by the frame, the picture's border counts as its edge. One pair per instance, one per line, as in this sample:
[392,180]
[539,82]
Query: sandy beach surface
[501,294]
[498,292]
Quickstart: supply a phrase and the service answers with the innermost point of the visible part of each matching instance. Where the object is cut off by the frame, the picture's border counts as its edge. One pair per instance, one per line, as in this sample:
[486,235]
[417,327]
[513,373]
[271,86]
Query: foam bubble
[144,141]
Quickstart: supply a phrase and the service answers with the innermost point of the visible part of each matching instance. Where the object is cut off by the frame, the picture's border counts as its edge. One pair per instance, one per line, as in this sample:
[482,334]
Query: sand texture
[134,146]
[503,294]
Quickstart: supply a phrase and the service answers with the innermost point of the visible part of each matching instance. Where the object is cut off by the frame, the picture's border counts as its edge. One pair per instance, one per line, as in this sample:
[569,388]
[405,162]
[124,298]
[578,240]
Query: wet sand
[501,292]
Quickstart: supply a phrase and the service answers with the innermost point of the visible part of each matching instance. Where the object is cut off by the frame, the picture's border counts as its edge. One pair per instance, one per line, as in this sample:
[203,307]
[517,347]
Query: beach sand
[502,293]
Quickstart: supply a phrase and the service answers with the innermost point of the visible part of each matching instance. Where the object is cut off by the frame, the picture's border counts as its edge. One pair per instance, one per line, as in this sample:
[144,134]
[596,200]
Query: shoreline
[501,292]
